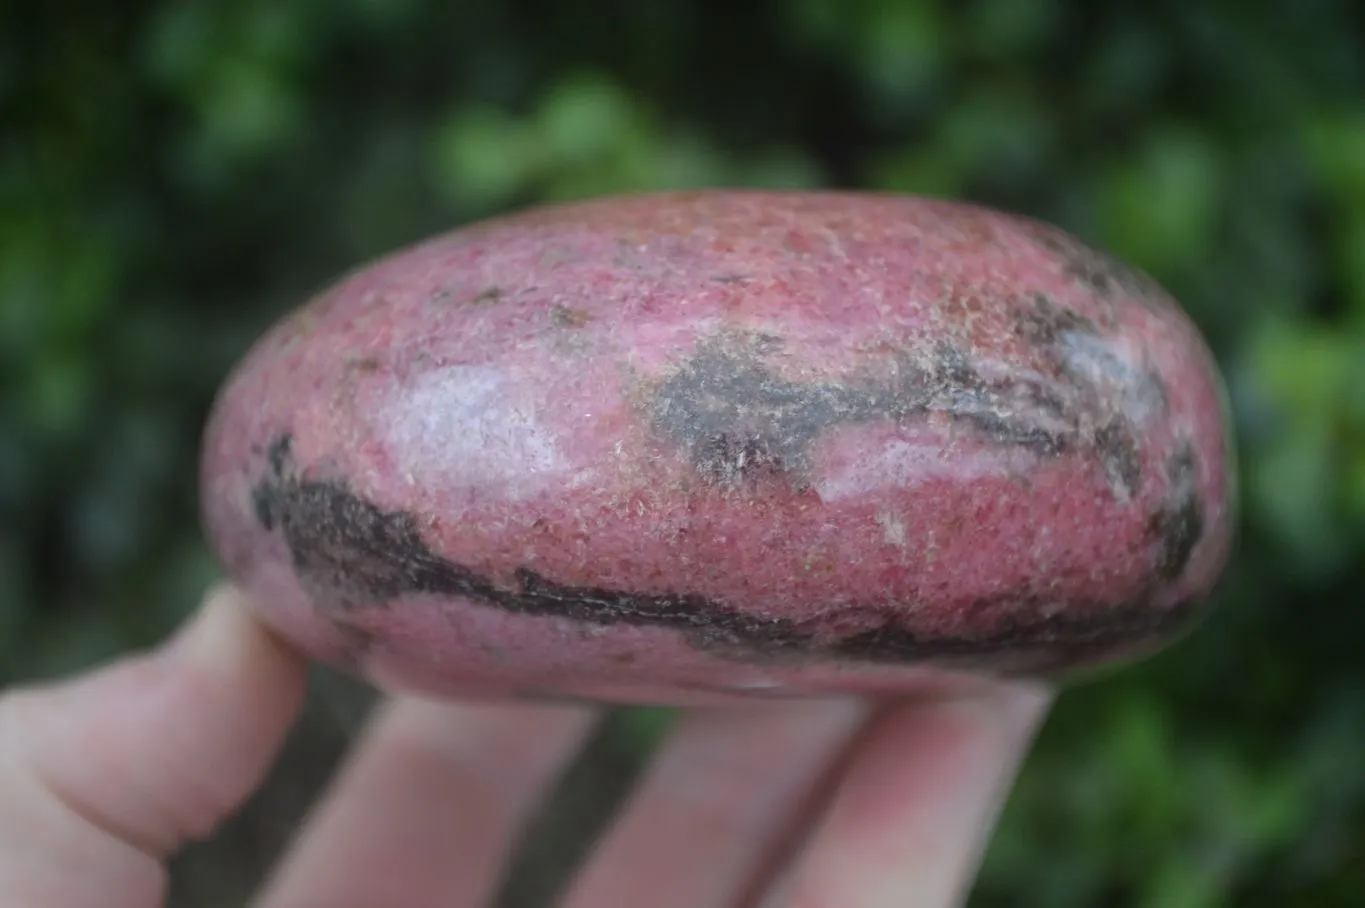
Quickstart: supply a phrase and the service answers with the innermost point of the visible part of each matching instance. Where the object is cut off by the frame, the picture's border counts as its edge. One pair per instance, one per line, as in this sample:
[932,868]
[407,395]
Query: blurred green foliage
[174,174]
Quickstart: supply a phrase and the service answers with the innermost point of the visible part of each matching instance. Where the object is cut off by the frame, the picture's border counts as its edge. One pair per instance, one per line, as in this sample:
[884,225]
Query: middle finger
[430,806]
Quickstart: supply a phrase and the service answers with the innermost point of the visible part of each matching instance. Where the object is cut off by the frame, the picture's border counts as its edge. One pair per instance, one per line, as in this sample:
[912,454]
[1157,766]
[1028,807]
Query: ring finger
[716,806]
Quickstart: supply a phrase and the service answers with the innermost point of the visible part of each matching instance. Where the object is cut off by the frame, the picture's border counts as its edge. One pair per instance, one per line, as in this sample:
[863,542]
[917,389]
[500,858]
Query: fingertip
[124,764]
[1014,707]
[225,635]
[914,810]
[238,689]
[428,808]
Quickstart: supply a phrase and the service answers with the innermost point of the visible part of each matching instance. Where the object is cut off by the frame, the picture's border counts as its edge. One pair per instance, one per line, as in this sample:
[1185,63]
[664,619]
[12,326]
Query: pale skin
[811,805]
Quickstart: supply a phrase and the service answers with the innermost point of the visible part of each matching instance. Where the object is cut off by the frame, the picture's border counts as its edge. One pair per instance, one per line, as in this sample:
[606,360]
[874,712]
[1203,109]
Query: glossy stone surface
[665,447]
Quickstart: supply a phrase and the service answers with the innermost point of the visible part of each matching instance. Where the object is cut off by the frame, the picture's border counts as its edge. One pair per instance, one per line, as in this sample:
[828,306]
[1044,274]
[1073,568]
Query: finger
[429,807]
[716,805]
[914,810]
[103,776]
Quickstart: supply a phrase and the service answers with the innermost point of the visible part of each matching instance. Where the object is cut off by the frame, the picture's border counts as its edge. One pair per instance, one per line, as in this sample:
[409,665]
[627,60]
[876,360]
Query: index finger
[101,777]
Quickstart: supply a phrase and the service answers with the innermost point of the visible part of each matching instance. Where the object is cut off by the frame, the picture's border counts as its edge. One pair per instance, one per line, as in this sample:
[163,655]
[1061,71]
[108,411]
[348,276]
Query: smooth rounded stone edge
[682,447]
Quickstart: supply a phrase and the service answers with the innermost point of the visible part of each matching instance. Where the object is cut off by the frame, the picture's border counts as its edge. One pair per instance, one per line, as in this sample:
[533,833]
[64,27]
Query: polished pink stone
[664,447]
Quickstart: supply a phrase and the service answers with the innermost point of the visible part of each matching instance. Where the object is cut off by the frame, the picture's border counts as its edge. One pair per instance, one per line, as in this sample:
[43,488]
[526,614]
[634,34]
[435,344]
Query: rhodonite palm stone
[663,447]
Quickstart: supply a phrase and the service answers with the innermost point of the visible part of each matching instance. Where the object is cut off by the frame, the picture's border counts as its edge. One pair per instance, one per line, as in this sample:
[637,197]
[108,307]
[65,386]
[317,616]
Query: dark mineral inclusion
[734,418]
[738,420]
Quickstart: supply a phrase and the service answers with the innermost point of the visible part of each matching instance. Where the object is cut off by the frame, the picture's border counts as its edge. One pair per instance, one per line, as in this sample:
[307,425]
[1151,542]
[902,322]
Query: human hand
[809,805]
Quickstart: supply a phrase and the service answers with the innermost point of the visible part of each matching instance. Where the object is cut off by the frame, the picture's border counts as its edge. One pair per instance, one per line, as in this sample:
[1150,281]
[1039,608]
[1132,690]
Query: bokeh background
[175,175]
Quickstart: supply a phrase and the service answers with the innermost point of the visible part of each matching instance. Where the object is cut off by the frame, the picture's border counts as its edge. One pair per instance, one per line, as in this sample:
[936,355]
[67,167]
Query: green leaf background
[174,174]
